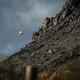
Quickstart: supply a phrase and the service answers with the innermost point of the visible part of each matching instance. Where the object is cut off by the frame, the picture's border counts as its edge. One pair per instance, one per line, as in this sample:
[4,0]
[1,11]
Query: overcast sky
[26,15]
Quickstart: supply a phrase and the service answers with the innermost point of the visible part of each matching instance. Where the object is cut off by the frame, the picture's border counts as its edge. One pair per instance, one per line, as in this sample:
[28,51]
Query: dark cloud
[10,2]
[26,15]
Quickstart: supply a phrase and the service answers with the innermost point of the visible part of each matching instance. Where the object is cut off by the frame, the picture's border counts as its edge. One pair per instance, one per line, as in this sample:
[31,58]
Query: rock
[46,23]
[49,51]
[54,45]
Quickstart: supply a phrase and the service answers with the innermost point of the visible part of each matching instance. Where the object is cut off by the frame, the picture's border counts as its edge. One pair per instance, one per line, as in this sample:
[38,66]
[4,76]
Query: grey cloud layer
[26,15]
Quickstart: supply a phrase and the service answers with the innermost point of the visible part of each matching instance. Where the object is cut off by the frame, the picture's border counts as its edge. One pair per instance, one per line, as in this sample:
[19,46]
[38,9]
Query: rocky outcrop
[54,21]
[52,46]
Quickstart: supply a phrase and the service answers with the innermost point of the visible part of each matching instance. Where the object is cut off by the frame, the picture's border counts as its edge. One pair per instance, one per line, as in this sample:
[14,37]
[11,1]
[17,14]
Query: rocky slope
[50,47]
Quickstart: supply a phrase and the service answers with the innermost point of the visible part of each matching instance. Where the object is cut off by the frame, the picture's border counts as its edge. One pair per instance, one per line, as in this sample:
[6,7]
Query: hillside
[51,47]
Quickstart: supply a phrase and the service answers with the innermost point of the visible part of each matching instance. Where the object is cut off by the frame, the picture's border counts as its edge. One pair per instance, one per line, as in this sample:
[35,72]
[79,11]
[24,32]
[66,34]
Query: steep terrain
[52,46]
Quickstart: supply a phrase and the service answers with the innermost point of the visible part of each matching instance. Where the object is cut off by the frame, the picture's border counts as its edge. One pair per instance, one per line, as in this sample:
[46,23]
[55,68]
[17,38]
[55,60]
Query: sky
[25,15]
